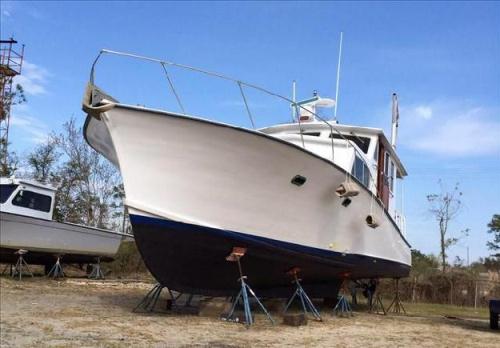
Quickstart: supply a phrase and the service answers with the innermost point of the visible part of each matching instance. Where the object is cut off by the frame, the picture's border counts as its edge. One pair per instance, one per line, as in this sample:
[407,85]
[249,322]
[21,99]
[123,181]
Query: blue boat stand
[244,292]
[306,302]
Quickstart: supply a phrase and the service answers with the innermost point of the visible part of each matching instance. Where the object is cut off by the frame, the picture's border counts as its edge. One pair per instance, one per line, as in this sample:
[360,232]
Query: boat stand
[306,302]
[96,270]
[21,265]
[376,306]
[396,305]
[10,267]
[148,303]
[56,271]
[235,256]
[342,308]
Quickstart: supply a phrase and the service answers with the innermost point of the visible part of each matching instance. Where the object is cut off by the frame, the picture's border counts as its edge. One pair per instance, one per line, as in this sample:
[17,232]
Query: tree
[85,180]
[494,228]
[89,190]
[445,206]
[42,161]
[9,162]
[422,264]
[119,211]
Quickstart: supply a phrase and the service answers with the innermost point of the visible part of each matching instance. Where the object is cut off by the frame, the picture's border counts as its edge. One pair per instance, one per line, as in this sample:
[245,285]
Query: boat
[26,211]
[311,194]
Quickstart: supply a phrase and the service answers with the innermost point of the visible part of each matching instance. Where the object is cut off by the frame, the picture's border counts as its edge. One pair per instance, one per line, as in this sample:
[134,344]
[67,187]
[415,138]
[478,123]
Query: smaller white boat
[26,209]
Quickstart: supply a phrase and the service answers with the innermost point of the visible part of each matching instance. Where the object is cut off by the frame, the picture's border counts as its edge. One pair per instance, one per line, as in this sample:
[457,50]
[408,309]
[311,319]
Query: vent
[298,180]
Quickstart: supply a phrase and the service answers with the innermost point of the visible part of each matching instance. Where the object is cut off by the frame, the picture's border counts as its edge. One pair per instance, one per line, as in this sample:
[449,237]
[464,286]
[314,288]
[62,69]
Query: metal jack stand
[397,303]
[96,270]
[56,271]
[377,306]
[20,265]
[235,256]
[342,308]
[306,302]
[148,303]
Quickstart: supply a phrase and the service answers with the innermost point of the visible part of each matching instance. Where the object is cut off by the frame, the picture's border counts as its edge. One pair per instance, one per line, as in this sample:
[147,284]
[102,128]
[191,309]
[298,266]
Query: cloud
[33,79]
[7,10]
[35,131]
[423,111]
[16,9]
[451,129]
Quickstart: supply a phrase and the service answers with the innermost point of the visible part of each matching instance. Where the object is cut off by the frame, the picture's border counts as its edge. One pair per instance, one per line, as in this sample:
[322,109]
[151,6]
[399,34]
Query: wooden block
[213,307]
[274,304]
[183,310]
[294,319]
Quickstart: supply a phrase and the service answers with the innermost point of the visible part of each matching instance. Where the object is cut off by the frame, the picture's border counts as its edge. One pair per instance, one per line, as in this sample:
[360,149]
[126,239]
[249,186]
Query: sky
[442,58]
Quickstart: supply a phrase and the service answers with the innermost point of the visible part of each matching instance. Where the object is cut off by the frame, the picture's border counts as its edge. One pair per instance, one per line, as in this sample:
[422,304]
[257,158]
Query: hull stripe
[325,255]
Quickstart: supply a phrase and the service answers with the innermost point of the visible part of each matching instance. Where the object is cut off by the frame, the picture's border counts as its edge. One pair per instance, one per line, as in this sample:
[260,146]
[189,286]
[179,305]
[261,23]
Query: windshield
[5,191]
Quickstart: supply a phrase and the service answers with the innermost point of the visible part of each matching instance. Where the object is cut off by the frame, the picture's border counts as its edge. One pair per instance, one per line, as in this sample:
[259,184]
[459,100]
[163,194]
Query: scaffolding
[11,62]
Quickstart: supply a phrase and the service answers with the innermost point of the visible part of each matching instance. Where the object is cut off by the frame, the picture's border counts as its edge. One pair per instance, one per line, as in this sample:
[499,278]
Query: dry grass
[69,313]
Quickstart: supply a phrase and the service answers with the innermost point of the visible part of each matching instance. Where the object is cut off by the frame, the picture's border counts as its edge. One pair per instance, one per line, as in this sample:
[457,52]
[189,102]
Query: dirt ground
[77,312]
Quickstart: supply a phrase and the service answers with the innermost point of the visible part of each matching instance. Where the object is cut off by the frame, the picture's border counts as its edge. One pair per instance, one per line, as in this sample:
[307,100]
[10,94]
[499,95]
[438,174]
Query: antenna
[338,77]
[294,111]
[395,119]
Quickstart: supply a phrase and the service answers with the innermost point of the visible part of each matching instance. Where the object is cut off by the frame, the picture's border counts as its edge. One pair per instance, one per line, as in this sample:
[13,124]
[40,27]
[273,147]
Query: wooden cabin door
[382,176]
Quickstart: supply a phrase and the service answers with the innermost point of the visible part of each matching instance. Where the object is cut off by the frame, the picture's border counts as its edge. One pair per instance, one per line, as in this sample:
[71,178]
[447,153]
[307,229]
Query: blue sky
[441,58]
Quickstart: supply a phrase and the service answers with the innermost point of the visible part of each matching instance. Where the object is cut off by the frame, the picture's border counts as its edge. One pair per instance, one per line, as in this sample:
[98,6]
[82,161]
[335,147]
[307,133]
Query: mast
[338,77]
[395,119]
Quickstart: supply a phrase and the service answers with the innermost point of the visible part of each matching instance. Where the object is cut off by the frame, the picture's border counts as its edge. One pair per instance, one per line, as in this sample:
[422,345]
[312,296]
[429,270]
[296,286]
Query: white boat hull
[47,238]
[223,178]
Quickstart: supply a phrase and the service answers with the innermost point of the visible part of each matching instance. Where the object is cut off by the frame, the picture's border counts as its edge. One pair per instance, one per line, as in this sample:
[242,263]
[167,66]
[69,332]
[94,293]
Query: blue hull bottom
[191,259]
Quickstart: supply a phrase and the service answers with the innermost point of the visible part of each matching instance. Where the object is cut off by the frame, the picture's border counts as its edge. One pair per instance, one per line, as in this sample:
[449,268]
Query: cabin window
[311,134]
[362,142]
[6,191]
[32,200]
[360,171]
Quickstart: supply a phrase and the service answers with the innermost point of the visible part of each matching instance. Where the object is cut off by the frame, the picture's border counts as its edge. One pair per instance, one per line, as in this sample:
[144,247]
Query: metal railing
[241,86]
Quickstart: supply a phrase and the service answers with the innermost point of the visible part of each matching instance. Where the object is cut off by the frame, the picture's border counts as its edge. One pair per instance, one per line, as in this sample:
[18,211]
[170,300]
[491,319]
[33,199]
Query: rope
[173,88]
[246,104]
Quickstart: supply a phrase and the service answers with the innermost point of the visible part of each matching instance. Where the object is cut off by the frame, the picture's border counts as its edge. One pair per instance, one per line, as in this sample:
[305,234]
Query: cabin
[364,152]
[27,197]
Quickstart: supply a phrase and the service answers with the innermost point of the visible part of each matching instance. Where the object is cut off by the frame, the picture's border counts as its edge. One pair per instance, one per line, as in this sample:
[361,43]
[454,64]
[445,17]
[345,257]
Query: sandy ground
[76,312]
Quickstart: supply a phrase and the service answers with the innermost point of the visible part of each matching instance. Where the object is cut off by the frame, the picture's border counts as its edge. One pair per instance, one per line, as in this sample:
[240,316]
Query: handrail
[240,84]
